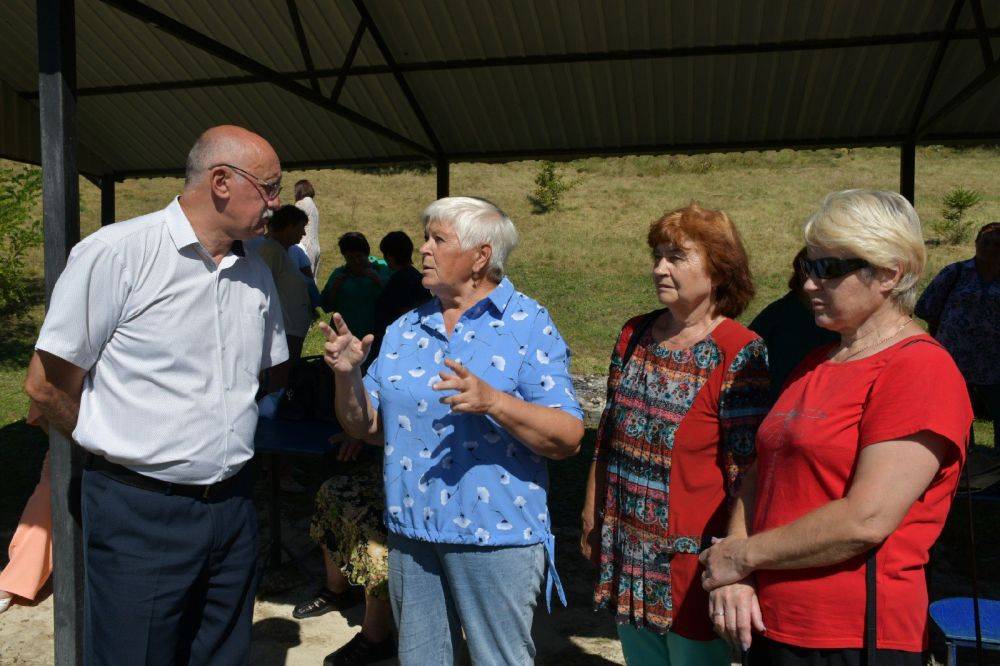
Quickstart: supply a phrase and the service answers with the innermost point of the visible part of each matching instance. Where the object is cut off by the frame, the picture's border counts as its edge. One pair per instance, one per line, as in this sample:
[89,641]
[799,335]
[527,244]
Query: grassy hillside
[588,262]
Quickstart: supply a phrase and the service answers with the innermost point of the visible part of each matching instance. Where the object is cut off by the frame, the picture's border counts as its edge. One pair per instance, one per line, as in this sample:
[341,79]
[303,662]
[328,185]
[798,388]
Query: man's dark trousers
[169,579]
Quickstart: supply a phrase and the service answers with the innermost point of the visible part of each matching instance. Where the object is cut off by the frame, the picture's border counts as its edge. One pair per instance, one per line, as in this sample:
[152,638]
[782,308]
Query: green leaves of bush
[20,230]
[549,186]
[953,228]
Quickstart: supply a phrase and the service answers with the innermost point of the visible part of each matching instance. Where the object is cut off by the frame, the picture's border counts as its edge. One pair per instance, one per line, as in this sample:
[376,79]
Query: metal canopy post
[908,170]
[107,199]
[442,177]
[61,220]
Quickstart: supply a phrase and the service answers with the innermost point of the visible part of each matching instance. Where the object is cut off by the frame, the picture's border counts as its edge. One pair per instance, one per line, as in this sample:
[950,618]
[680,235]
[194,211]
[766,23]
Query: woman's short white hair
[476,222]
[880,227]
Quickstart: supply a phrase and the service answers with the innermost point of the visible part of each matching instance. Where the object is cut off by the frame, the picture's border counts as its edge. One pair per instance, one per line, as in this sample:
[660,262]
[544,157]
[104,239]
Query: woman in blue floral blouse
[470,394]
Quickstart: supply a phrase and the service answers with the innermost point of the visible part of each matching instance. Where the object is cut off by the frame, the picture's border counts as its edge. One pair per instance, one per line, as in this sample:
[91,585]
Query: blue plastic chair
[954,616]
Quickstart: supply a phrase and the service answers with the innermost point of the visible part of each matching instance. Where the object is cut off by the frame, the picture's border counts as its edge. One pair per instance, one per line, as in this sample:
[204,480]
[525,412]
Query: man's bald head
[225,144]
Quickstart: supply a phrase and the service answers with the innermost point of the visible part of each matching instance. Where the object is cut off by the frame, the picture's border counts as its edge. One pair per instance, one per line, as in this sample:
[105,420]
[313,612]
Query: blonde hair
[878,226]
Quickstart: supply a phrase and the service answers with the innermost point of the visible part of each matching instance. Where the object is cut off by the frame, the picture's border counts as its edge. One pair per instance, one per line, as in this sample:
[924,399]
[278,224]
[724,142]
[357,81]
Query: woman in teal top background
[353,288]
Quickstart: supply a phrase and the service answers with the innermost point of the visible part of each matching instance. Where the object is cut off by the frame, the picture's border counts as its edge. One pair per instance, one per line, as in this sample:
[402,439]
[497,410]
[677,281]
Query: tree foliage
[954,227]
[20,230]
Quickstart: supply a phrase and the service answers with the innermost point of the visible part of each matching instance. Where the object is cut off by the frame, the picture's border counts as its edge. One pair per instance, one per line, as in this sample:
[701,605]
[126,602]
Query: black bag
[309,395]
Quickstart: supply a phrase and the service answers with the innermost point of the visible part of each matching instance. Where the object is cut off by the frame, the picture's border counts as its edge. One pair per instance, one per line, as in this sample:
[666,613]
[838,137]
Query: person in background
[789,329]
[149,358]
[469,396]
[301,260]
[285,228]
[961,306]
[353,288]
[304,200]
[30,552]
[674,441]
[404,290]
[347,524]
[857,462]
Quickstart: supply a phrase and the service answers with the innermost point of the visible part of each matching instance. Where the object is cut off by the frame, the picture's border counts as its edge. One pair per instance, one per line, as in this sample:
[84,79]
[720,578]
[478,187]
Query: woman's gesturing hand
[474,396]
[343,352]
[735,613]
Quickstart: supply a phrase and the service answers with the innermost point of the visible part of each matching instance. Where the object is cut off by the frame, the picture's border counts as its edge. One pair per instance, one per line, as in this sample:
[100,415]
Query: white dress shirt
[173,345]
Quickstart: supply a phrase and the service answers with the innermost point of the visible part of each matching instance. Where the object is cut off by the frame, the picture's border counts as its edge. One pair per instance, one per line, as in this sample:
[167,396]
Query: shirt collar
[429,314]
[182,232]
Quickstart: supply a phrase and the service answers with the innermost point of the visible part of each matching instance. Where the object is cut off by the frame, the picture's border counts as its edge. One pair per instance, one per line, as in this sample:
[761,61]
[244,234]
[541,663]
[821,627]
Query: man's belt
[208,493]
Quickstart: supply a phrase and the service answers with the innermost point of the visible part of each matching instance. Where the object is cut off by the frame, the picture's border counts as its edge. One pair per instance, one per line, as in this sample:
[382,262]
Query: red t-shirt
[807,449]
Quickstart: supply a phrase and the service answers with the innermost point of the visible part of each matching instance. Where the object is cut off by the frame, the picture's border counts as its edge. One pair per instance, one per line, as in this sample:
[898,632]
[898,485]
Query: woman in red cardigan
[674,440]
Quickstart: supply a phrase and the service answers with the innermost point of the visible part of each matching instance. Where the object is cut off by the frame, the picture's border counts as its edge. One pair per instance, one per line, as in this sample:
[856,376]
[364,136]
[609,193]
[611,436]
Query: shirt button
[227,388]
[232,429]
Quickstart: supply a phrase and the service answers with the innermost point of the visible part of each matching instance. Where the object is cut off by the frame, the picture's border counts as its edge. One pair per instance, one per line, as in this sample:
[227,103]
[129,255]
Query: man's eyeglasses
[826,268]
[271,189]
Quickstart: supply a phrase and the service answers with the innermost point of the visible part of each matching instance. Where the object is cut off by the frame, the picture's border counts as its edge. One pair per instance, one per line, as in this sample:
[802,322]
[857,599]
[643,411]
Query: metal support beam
[383,48]
[352,52]
[908,171]
[61,222]
[942,48]
[544,59]
[959,98]
[263,73]
[984,40]
[443,177]
[107,199]
[300,35]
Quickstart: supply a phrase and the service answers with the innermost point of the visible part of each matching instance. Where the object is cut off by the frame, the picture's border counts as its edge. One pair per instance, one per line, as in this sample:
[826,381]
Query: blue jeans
[437,590]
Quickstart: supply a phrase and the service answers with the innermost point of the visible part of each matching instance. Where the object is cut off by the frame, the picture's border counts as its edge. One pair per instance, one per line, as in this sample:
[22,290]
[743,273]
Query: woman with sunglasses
[857,463]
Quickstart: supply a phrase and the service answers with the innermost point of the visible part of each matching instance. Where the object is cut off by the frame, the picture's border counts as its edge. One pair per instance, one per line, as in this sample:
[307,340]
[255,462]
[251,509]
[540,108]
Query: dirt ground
[569,636]
[573,635]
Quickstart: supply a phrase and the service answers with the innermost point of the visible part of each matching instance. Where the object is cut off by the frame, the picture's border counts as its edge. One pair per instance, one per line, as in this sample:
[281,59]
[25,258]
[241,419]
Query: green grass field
[588,261]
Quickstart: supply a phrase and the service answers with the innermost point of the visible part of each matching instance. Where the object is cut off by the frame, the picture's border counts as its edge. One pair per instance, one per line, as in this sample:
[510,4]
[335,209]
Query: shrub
[20,230]
[549,187]
[953,228]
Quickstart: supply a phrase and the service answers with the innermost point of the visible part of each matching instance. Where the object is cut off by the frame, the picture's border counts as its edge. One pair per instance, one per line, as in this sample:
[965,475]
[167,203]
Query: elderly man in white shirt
[149,358]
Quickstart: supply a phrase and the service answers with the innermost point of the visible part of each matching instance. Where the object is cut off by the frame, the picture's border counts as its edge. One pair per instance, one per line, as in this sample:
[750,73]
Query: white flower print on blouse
[459,478]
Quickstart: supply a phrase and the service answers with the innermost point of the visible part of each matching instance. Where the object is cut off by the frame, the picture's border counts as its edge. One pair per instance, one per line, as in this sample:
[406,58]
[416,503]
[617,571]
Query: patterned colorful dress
[676,439]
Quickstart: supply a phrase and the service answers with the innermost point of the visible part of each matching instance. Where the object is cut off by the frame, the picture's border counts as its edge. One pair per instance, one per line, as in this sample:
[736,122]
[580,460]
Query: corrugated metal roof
[587,76]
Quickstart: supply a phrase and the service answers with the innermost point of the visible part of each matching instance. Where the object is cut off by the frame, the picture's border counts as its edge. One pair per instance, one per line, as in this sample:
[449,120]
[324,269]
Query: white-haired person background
[470,394]
[857,461]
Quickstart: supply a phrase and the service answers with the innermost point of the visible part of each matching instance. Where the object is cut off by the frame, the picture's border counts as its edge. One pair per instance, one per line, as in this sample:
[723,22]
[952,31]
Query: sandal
[360,651]
[326,600]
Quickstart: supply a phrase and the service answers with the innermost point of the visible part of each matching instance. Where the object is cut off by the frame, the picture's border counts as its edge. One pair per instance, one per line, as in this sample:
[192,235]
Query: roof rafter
[352,52]
[942,48]
[300,35]
[545,59]
[383,48]
[984,39]
[262,72]
[606,151]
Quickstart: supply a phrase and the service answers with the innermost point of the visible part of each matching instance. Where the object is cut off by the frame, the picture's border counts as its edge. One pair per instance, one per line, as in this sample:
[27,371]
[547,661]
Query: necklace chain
[880,341]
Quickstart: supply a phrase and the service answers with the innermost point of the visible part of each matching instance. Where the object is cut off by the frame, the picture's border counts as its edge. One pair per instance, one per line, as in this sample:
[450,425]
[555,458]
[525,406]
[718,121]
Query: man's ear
[220,181]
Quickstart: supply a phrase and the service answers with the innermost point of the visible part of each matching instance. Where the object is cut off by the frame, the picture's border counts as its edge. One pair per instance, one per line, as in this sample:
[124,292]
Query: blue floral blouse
[461,478]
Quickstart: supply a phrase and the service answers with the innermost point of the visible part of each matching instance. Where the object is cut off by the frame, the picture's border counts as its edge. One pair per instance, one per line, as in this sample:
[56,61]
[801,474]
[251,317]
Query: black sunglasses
[826,268]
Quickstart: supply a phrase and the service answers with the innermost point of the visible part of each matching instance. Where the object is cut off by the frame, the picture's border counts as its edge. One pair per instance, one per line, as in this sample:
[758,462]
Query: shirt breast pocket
[252,336]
